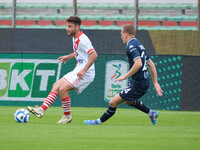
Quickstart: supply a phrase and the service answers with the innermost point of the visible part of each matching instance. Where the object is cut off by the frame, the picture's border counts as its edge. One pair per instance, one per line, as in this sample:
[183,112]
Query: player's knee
[55,87]
[64,89]
[128,103]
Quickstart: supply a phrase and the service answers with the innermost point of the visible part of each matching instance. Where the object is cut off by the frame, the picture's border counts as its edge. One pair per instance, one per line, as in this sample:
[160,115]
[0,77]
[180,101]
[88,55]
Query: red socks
[66,102]
[49,100]
[66,105]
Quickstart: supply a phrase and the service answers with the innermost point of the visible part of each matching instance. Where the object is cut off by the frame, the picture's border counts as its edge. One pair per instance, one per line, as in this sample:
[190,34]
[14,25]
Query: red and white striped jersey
[82,47]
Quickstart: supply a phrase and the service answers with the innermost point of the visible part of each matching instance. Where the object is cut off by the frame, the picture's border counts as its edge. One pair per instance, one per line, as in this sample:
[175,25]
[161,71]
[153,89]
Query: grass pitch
[128,129]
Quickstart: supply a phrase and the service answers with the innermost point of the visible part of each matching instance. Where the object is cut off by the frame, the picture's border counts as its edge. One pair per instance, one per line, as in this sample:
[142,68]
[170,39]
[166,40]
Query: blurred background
[104,14]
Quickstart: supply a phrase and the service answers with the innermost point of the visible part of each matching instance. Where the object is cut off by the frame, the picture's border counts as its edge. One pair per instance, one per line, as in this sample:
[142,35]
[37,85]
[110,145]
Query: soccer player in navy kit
[139,83]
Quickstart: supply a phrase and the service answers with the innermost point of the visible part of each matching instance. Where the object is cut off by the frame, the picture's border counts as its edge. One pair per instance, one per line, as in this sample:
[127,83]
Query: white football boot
[65,119]
[36,111]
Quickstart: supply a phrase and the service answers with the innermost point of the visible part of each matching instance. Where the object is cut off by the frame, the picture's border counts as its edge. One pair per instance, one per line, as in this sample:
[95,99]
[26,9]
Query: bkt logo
[27,79]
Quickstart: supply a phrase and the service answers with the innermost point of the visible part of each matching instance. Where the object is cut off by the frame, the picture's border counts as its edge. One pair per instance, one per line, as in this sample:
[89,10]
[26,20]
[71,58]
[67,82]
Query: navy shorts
[134,91]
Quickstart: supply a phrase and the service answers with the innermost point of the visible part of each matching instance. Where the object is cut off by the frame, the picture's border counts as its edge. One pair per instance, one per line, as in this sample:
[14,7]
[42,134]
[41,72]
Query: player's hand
[63,59]
[120,78]
[158,89]
[81,74]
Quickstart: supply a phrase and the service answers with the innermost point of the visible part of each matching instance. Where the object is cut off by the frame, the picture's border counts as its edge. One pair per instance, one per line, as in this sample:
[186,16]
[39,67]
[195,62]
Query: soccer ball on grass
[22,116]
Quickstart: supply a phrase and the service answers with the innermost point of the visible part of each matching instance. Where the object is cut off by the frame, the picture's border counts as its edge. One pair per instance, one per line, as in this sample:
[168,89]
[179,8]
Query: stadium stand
[103,16]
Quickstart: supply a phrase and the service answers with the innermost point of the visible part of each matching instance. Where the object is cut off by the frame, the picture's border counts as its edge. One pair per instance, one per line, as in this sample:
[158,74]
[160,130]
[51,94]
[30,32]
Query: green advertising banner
[27,79]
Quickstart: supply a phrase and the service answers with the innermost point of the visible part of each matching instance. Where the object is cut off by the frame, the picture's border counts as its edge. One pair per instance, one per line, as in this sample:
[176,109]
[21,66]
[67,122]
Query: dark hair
[128,28]
[74,19]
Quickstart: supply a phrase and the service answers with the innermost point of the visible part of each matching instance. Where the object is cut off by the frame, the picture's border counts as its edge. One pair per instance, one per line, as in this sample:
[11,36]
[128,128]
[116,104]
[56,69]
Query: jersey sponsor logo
[114,69]
[27,79]
[80,61]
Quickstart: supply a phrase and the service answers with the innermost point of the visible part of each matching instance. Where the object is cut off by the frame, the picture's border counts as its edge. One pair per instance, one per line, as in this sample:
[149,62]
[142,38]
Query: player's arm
[66,58]
[152,69]
[137,65]
[92,57]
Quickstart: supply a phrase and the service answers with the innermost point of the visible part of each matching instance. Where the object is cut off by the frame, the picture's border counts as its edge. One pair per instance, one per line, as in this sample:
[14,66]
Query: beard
[72,33]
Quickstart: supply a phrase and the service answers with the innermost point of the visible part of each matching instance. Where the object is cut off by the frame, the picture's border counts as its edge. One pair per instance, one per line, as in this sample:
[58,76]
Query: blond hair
[128,28]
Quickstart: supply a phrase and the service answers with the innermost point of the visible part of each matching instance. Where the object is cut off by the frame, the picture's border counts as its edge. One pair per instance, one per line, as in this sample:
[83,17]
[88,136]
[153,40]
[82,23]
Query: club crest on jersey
[131,46]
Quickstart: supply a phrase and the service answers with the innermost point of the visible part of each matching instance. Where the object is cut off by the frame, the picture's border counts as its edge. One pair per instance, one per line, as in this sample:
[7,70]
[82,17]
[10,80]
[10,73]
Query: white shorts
[74,81]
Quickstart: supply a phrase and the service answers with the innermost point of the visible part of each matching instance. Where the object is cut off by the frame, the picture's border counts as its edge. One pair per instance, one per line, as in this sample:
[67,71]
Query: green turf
[129,129]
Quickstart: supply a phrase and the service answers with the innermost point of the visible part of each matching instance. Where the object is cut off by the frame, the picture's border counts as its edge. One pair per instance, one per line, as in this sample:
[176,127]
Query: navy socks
[139,105]
[109,113]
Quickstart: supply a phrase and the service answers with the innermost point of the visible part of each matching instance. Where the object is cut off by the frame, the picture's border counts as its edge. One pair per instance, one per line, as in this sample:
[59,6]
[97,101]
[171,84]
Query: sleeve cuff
[91,50]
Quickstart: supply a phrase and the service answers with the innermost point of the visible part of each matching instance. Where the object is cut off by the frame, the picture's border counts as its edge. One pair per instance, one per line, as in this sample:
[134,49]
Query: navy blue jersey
[134,50]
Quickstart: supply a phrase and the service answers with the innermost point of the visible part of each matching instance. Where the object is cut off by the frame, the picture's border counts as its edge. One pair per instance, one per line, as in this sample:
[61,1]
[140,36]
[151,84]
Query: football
[22,116]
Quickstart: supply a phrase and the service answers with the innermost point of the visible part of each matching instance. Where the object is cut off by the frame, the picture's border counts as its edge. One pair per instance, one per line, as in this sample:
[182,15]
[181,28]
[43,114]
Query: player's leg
[133,93]
[153,115]
[66,102]
[114,102]
[72,82]
[139,105]
[39,112]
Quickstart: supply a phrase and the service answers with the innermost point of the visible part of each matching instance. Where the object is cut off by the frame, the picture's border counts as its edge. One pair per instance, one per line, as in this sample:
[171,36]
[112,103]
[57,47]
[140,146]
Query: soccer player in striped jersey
[78,79]
[139,82]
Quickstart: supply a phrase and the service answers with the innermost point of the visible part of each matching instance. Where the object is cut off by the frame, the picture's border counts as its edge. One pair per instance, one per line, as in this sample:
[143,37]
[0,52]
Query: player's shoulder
[83,37]
[131,46]
[85,41]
